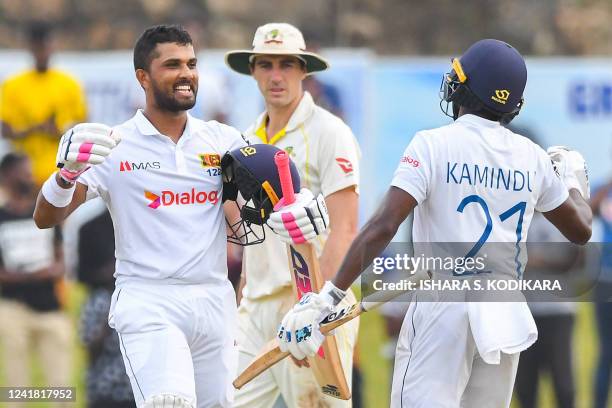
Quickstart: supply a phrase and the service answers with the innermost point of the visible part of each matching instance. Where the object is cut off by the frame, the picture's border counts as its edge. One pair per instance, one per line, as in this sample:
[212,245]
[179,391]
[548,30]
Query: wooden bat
[306,277]
[272,354]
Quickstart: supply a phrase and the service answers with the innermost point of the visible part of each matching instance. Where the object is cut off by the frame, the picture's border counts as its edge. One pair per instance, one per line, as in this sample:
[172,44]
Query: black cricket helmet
[491,76]
[250,179]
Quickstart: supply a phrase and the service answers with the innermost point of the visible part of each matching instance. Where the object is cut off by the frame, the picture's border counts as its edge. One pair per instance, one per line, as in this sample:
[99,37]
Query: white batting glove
[301,221]
[82,146]
[571,168]
[299,332]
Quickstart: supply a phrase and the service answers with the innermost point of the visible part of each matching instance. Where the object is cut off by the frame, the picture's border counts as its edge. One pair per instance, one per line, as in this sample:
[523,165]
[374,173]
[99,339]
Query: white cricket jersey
[326,154]
[165,201]
[476,181]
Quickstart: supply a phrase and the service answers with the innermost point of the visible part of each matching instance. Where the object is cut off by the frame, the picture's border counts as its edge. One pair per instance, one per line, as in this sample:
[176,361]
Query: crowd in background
[547,27]
[32,263]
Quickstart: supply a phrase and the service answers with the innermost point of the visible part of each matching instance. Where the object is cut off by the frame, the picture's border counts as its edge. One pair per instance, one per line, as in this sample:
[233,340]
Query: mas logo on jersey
[133,166]
[410,160]
[208,160]
[168,197]
[345,164]
[501,96]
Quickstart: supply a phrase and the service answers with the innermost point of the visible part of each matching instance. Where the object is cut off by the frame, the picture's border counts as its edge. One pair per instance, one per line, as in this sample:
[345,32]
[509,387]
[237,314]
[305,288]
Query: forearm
[46,215]
[584,212]
[370,242]
[336,246]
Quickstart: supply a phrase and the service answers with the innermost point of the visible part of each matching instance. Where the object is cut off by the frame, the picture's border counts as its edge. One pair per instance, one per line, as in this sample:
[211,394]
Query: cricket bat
[272,353]
[306,277]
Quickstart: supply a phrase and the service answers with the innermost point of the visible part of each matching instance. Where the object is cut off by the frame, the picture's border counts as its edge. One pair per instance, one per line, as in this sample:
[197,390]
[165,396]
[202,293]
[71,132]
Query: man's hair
[159,34]
[39,32]
[11,160]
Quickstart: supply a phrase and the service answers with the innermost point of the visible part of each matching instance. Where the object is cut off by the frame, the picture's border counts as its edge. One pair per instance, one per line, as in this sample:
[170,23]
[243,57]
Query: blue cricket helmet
[250,178]
[491,75]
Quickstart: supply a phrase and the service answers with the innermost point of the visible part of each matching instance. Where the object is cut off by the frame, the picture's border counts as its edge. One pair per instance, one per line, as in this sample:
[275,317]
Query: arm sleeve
[338,160]
[553,191]
[413,175]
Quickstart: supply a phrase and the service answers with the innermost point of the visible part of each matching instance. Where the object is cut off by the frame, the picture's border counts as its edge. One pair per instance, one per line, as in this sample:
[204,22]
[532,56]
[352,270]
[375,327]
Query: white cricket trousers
[178,339]
[258,323]
[437,364]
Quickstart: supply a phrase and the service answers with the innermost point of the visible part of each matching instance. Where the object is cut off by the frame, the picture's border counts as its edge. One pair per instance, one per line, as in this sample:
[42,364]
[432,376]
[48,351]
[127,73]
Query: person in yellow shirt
[39,104]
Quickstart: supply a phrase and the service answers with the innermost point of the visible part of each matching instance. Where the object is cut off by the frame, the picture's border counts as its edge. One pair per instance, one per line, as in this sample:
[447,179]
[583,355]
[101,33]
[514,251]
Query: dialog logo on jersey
[154,198]
[133,166]
[345,164]
[193,197]
[410,160]
[208,160]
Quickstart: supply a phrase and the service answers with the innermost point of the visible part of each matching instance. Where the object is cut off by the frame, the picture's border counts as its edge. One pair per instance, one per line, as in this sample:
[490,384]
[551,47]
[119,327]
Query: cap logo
[501,96]
[273,37]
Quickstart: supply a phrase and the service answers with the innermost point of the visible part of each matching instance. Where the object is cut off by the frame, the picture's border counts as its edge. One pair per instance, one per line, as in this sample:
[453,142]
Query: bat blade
[326,364]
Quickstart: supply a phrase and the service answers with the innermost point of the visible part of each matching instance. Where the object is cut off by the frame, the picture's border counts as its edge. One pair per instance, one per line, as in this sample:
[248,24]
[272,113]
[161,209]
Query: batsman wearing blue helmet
[465,353]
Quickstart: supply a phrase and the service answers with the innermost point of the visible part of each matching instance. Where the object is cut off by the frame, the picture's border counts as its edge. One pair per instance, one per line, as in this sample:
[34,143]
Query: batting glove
[82,146]
[301,221]
[571,168]
[299,332]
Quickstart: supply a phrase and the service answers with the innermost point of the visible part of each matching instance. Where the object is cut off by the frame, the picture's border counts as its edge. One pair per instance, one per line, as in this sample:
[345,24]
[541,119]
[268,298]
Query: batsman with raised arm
[162,175]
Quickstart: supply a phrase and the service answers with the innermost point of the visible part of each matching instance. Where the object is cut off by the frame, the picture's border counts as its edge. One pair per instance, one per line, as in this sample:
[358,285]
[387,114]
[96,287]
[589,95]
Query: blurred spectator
[601,203]
[108,385]
[31,263]
[553,351]
[214,97]
[39,104]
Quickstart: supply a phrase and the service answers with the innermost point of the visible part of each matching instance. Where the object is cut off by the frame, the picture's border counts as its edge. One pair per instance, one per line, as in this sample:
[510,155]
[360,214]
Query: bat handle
[281,159]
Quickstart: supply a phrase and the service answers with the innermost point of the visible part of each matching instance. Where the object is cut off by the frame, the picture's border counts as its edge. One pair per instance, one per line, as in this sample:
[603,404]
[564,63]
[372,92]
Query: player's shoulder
[128,132]
[219,134]
[525,144]
[211,127]
[323,121]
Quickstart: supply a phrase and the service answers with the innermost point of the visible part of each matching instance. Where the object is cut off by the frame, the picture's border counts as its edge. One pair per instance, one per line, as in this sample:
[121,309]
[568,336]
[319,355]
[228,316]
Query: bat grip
[281,159]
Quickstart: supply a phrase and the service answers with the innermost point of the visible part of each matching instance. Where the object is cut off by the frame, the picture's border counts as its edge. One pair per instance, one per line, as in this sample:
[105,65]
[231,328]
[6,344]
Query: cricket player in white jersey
[326,154]
[173,308]
[463,354]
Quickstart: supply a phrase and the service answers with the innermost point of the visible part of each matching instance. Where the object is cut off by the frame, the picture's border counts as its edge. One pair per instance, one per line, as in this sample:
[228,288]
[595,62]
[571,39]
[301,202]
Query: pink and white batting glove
[301,221]
[571,168]
[82,146]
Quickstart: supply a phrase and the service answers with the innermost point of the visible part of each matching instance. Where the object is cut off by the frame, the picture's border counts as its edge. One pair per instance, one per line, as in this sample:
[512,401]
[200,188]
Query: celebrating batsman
[173,307]
[462,354]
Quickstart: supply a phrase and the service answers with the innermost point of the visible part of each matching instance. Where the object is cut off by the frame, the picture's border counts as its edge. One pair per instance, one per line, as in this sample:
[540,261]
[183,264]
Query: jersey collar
[303,111]
[477,120]
[146,128]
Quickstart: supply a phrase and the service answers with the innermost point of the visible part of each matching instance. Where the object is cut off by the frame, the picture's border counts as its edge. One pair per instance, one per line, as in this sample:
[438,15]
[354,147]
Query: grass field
[376,369]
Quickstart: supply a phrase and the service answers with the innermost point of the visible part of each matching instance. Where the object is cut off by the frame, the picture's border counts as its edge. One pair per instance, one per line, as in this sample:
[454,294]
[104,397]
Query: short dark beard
[169,103]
